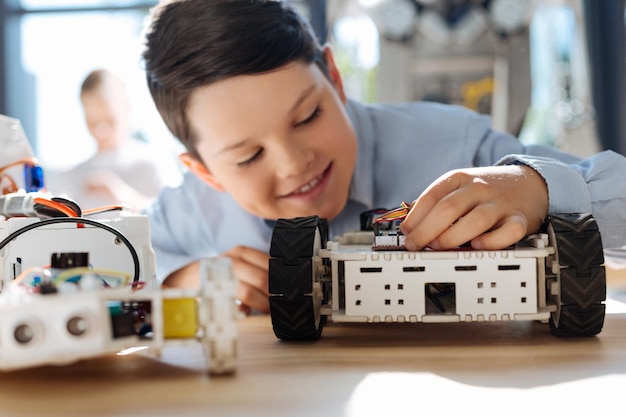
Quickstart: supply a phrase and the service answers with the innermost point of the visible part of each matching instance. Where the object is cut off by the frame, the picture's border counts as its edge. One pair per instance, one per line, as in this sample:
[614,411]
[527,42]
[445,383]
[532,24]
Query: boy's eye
[311,117]
[250,160]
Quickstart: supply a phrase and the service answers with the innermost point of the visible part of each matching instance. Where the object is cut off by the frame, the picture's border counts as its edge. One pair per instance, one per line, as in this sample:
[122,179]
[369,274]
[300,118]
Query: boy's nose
[292,159]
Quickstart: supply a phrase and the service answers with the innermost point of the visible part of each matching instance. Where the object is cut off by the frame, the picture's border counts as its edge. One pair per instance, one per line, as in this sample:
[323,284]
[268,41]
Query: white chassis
[556,277]
[390,286]
[61,328]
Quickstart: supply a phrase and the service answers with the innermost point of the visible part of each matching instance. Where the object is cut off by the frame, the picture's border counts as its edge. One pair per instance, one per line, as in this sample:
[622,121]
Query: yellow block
[180,318]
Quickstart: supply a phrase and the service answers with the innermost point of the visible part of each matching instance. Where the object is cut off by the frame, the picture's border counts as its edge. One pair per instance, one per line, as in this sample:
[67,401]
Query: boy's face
[279,142]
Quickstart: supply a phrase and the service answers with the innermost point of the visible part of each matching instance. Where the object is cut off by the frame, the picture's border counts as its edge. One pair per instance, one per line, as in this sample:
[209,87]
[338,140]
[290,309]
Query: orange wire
[395,214]
[25,273]
[23,161]
[12,187]
[103,208]
[56,205]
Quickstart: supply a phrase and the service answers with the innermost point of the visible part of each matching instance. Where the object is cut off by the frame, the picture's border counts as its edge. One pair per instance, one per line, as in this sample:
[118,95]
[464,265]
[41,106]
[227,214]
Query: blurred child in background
[124,170]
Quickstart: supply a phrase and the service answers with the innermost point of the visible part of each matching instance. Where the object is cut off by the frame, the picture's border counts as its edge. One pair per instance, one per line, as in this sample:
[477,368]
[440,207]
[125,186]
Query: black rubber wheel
[581,278]
[296,292]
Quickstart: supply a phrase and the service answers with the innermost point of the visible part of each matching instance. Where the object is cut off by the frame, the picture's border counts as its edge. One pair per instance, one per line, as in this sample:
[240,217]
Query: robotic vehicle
[556,277]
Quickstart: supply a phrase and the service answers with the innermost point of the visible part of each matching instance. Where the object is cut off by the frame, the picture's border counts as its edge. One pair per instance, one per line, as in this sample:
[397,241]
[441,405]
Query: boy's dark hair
[192,43]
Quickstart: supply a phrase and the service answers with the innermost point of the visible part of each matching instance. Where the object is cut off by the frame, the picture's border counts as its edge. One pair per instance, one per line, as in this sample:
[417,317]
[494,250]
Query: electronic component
[18,167]
[57,328]
[74,288]
[17,204]
[180,317]
[121,244]
[386,227]
[37,204]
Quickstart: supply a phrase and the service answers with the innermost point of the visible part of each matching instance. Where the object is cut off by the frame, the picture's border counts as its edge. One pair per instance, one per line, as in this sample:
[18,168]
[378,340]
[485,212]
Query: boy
[260,107]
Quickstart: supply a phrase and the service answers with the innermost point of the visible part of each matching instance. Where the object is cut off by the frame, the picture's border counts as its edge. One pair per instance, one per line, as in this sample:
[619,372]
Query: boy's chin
[320,212]
[295,214]
[325,212]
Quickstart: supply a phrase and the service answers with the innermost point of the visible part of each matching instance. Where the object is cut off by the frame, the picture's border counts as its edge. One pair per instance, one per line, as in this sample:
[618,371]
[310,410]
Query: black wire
[45,212]
[81,220]
[73,205]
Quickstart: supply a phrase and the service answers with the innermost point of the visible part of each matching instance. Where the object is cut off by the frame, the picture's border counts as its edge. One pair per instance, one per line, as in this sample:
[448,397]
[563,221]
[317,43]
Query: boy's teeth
[310,185]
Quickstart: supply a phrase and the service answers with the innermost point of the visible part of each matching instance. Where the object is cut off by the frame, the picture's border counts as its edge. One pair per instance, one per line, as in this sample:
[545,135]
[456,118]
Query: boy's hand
[250,268]
[492,207]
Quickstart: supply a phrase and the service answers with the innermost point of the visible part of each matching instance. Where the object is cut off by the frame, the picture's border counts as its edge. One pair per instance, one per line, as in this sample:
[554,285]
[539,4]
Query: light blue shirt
[401,150]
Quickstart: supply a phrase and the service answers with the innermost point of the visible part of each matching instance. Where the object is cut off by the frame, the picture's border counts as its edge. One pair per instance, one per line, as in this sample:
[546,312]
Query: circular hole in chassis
[24,334]
[77,326]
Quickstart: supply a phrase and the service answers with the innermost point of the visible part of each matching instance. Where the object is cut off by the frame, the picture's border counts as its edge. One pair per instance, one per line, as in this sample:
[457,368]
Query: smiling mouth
[311,184]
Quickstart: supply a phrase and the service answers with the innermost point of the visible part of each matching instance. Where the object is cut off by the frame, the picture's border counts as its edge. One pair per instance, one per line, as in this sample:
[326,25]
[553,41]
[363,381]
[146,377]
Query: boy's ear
[333,71]
[200,170]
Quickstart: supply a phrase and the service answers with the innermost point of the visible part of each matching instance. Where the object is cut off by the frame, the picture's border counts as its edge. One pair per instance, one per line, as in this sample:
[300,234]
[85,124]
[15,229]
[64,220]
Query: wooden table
[502,368]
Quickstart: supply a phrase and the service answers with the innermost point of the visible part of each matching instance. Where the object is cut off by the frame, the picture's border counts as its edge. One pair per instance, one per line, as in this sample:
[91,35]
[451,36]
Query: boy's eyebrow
[307,92]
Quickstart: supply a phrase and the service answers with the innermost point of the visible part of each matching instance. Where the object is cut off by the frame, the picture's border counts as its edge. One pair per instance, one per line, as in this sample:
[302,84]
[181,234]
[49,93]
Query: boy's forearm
[185,277]
[588,186]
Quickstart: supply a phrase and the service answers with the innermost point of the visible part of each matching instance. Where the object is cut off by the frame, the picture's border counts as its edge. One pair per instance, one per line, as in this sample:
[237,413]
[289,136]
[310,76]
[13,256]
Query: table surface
[499,368]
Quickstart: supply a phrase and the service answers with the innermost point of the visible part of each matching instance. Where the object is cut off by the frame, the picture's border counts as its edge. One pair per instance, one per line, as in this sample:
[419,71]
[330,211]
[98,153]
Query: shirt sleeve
[170,256]
[591,185]
[193,221]
[179,235]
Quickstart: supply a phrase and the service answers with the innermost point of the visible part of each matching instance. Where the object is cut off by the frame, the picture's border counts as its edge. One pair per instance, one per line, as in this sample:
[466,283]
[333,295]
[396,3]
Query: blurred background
[549,71]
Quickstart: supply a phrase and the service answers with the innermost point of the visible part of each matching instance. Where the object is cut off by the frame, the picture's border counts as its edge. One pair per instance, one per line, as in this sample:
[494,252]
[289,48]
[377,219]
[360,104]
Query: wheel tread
[294,320]
[582,283]
[292,306]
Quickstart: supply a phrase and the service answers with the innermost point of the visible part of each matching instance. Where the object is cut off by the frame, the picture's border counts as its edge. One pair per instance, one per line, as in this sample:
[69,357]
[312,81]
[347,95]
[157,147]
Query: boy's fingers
[250,268]
[437,221]
[252,286]
[251,275]
[433,211]
[471,224]
[426,202]
[252,298]
[513,229]
[249,255]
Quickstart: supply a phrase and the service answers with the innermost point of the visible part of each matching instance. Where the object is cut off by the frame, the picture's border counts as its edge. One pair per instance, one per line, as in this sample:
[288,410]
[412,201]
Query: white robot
[556,277]
[72,287]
